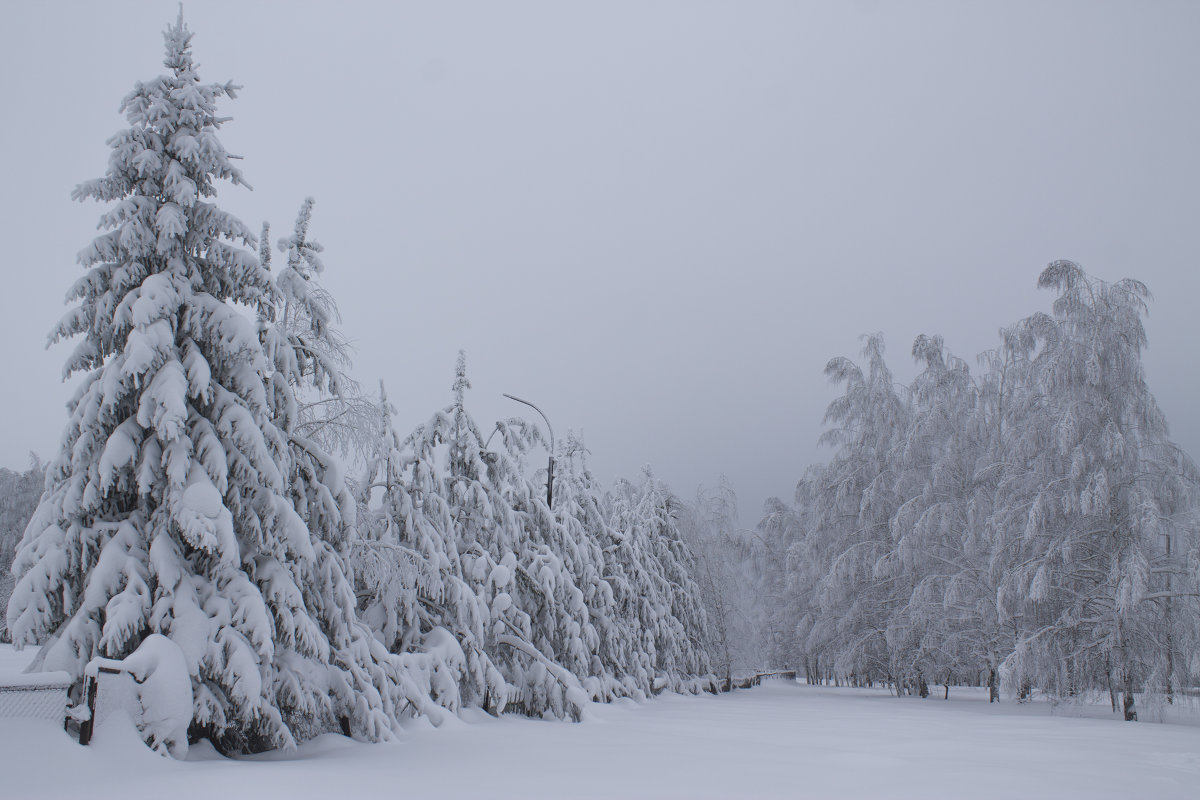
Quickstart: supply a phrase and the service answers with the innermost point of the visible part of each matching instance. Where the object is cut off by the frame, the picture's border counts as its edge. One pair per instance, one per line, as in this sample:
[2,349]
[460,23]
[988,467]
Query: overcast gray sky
[657,220]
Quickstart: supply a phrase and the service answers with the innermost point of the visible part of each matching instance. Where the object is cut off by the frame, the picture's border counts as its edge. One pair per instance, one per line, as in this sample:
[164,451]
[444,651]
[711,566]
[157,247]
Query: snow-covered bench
[39,695]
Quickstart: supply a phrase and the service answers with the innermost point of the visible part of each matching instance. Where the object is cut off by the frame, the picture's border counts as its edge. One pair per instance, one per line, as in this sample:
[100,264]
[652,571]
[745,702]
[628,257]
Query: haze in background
[656,221]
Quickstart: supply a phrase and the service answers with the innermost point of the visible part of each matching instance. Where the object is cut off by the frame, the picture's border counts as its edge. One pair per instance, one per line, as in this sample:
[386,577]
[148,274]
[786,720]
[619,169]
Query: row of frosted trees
[495,599]
[1030,525]
[198,492]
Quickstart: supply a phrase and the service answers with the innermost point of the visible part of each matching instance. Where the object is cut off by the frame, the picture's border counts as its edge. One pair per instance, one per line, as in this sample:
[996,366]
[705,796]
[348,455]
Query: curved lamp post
[550,469]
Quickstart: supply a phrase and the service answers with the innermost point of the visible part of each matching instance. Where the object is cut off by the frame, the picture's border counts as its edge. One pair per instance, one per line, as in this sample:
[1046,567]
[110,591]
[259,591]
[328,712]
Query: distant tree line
[19,494]
[1029,524]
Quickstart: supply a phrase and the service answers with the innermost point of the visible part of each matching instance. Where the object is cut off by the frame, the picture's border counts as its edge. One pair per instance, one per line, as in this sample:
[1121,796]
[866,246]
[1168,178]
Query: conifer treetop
[179,48]
[161,174]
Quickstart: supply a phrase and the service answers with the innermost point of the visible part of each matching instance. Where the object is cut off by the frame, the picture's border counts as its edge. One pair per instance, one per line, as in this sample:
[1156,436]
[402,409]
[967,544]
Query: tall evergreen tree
[490,503]
[361,685]
[579,509]
[664,600]
[550,562]
[409,574]
[169,508]
[304,343]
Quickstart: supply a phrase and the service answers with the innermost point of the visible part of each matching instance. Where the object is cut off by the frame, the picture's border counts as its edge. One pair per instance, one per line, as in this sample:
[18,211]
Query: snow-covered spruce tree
[579,509]
[667,607]
[627,645]
[551,562]
[489,532]
[167,509]
[1102,534]
[330,408]
[409,575]
[339,675]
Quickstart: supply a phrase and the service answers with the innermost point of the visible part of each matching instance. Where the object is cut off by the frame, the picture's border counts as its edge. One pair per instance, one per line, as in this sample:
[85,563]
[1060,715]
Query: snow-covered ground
[778,740]
[14,661]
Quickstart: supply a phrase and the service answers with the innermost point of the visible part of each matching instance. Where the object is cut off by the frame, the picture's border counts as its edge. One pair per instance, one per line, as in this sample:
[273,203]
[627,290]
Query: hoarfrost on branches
[1030,526]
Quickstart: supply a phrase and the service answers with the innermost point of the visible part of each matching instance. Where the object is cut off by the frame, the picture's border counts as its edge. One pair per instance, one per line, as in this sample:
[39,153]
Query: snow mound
[161,703]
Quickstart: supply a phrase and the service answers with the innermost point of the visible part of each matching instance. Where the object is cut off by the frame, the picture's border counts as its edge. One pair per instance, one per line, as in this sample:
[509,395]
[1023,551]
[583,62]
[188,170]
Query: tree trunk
[1170,644]
[1112,691]
[1127,701]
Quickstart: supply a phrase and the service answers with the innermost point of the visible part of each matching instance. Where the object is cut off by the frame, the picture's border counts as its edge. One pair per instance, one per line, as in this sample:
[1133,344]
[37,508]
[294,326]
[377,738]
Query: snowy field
[778,740]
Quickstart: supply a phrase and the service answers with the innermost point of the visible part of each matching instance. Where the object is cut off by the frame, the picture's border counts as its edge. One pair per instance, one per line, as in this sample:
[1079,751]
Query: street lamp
[550,469]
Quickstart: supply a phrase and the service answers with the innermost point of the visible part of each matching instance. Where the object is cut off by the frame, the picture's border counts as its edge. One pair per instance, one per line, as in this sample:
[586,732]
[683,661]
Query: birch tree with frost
[1109,496]
[1035,522]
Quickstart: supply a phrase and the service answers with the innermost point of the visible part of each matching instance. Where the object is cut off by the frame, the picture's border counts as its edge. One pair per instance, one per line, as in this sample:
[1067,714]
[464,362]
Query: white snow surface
[777,740]
[36,680]
[13,661]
